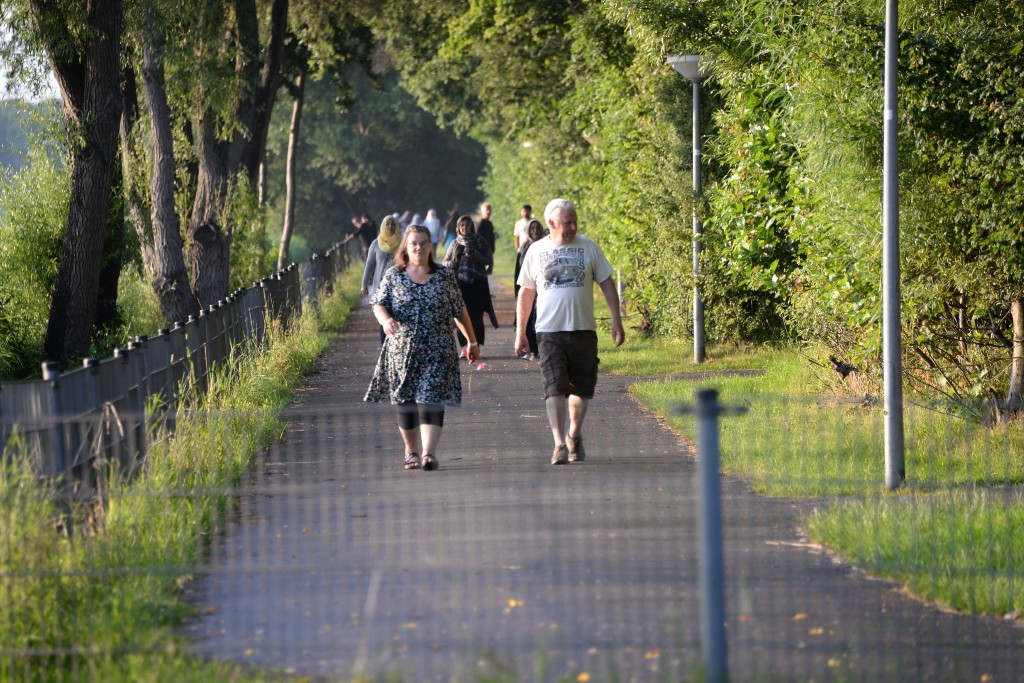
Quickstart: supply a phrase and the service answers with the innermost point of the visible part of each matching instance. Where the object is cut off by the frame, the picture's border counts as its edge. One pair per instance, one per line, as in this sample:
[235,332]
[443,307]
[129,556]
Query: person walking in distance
[433,224]
[418,304]
[380,256]
[468,257]
[519,231]
[485,228]
[559,272]
[535,232]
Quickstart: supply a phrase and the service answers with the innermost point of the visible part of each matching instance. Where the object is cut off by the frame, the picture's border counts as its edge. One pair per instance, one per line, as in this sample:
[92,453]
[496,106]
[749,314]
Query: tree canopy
[574,98]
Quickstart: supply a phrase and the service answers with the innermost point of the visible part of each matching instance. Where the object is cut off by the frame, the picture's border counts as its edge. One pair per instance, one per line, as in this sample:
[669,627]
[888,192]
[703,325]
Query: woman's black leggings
[412,415]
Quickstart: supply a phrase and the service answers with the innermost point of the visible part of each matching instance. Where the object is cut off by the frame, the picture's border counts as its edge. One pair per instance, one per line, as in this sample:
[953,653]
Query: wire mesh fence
[323,557]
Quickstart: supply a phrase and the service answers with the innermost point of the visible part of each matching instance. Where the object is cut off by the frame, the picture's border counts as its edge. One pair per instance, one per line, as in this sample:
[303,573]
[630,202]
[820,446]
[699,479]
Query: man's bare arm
[611,296]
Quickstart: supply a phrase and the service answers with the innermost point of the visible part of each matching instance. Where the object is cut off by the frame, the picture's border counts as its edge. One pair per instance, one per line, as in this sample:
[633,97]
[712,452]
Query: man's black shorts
[568,362]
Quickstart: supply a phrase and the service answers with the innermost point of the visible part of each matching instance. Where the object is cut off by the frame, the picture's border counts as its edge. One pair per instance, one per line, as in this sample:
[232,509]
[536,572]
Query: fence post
[51,375]
[711,567]
[125,444]
[62,472]
[167,358]
[92,430]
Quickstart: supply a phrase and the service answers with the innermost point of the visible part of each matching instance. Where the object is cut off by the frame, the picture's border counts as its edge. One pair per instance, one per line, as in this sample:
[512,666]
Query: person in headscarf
[534,233]
[433,224]
[469,257]
[381,255]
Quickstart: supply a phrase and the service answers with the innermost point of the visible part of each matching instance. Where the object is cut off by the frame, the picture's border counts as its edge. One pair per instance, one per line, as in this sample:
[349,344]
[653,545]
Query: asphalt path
[337,563]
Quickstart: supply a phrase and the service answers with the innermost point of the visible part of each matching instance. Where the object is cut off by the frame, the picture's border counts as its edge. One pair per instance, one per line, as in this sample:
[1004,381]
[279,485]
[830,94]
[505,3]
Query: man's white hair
[556,205]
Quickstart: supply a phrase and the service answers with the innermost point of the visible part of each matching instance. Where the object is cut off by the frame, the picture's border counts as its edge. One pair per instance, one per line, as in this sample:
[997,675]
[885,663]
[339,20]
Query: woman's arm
[368,269]
[465,326]
[385,319]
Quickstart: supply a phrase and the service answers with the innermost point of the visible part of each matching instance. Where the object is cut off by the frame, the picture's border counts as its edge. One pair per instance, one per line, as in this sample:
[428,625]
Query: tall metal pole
[892,364]
[698,230]
[714,645]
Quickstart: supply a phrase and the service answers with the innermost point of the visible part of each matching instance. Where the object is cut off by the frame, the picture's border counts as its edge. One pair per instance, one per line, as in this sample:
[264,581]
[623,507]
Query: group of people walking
[422,306]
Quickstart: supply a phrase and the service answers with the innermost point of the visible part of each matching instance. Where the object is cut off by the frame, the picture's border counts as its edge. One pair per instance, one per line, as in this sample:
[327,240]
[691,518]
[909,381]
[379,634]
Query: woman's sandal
[412,461]
[429,462]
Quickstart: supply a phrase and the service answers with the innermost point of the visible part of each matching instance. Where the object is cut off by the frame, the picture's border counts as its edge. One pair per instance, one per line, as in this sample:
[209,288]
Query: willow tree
[233,85]
[151,208]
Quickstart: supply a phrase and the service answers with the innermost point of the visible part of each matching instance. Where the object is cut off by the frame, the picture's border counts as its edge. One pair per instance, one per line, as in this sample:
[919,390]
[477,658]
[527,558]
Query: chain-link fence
[328,559]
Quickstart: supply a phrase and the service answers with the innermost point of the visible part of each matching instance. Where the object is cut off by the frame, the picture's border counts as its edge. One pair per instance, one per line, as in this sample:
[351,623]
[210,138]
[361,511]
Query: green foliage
[20,124]
[251,259]
[968,536]
[758,208]
[35,205]
[575,99]
[138,304]
[792,175]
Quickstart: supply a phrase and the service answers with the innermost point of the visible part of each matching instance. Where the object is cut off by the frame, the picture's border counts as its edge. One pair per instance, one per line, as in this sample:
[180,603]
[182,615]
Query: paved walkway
[499,566]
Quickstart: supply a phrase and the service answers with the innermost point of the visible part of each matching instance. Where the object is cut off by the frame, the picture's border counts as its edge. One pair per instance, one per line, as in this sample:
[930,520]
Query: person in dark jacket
[485,228]
[534,232]
[469,256]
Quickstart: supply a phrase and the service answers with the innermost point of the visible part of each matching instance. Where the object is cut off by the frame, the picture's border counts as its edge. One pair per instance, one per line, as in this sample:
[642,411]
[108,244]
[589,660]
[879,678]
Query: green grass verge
[804,435]
[104,602]
[959,549]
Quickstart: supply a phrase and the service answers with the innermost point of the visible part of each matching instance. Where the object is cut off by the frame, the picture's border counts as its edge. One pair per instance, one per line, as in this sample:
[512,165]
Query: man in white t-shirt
[559,271]
[519,234]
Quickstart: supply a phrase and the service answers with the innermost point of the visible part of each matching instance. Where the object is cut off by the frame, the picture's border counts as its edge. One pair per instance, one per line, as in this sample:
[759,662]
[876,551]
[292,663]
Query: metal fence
[97,413]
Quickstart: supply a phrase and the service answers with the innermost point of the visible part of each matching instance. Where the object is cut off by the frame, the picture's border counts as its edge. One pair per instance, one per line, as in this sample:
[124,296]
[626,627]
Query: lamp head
[690,67]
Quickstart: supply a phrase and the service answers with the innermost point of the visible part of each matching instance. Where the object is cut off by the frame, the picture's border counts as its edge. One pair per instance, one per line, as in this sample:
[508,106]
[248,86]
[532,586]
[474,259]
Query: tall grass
[958,549]
[801,436]
[102,602]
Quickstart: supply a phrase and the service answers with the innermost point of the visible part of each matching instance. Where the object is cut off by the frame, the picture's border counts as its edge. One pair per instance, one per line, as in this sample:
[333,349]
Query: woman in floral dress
[418,304]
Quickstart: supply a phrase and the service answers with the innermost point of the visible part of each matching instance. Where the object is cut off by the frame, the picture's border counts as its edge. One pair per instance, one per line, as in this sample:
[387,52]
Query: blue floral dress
[420,363]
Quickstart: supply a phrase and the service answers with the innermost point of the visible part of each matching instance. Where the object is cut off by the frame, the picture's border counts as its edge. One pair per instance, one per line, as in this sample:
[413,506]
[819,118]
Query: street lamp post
[690,68]
[892,362]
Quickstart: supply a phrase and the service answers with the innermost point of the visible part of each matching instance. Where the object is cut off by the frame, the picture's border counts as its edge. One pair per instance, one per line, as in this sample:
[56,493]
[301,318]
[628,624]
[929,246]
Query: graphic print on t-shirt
[563,267]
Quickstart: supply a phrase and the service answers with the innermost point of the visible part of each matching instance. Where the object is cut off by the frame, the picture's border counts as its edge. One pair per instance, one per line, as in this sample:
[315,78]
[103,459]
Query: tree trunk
[168,275]
[134,199]
[209,232]
[266,93]
[116,252]
[289,174]
[91,96]
[1014,395]
[961,325]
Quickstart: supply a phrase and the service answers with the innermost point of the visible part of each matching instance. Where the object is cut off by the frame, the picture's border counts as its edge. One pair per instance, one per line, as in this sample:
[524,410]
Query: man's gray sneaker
[560,456]
[575,446]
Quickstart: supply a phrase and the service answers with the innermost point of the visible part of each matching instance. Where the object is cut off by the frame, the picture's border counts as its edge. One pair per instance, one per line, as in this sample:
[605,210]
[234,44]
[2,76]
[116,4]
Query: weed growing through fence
[102,602]
[947,535]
